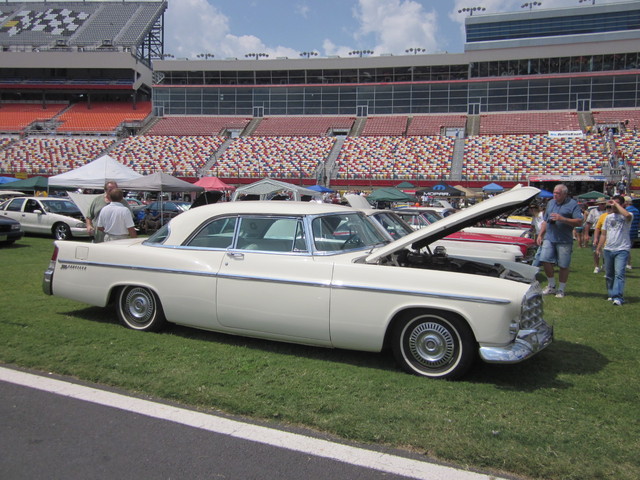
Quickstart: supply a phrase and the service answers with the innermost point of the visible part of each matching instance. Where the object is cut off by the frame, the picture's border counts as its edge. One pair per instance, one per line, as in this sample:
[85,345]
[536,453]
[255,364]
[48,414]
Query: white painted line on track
[291,441]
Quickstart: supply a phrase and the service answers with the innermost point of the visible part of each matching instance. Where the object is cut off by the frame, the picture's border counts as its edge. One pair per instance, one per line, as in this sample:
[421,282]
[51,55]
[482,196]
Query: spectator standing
[615,244]
[96,207]
[595,219]
[562,215]
[116,220]
[633,231]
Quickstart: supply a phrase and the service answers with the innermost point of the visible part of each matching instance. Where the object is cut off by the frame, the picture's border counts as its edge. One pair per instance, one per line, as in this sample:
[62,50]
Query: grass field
[572,412]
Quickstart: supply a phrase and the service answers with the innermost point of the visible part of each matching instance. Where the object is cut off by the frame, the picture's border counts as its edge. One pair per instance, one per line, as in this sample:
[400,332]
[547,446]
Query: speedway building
[528,99]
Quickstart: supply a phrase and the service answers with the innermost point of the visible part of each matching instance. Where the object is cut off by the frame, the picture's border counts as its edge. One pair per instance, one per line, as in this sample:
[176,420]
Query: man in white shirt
[615,242]
[116,220]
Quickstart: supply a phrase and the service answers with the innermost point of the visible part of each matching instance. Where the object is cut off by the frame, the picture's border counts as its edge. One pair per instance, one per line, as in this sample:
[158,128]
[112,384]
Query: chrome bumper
[527,343]
[46,281]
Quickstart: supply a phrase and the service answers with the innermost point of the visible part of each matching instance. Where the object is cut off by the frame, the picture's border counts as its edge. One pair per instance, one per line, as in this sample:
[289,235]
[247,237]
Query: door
[270,286]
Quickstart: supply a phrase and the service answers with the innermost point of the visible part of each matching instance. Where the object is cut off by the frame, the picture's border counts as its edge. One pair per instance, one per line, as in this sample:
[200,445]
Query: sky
[285,28]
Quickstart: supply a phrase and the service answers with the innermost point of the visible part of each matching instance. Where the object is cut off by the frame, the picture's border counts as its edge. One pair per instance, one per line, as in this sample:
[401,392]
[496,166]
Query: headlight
[15,226]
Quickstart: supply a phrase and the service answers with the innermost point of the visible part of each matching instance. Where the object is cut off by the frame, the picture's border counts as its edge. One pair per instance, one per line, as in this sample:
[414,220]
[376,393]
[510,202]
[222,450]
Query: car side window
[15,205]
[271,234]
[216,234]
[31,206]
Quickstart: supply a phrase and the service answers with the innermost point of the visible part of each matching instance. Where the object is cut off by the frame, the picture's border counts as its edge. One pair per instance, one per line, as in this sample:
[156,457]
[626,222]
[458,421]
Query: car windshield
[395,227]
[349,231]
[63,207]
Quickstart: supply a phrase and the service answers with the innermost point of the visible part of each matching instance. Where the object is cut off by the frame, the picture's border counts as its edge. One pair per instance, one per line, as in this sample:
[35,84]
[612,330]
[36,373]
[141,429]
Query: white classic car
[316,274]
[59,217]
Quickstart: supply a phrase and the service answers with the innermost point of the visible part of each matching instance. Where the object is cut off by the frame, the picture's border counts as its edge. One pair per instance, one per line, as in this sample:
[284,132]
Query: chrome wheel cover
[138,307]
[432,345]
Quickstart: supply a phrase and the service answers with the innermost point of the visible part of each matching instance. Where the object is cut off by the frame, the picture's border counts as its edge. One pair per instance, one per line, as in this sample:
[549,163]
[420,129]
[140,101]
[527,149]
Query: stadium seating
[183,156]
[51,154]
[283,157]
[15,117]
[301,126]
[523,123]
[385,126]
[196,125]
[384,157]
[514,157]
[433,124]
[102,117]
[631,118]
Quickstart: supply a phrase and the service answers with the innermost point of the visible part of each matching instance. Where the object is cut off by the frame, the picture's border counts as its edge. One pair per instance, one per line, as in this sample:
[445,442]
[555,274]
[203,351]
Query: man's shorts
[558,253]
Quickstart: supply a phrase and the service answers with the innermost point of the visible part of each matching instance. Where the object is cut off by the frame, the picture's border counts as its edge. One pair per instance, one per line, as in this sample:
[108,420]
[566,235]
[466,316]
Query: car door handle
[237,255]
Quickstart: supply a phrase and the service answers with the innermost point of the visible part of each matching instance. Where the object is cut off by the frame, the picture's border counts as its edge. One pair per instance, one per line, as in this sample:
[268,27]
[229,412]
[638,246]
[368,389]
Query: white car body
[316,274]
[59,217]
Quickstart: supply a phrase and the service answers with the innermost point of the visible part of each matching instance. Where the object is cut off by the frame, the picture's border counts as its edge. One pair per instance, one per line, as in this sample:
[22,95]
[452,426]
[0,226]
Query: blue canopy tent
[545,194]
[492,188]
[8,180]
[321,189]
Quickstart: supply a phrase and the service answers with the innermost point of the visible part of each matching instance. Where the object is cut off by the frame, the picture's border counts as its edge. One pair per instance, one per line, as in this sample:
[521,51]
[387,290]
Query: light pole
[470,10]
[205,55]
[361,53]
[257,56]
[309,54]
[415,50]
[530,5]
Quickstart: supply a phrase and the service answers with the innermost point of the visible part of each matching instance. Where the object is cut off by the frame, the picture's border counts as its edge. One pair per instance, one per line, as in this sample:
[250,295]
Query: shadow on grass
[544,370]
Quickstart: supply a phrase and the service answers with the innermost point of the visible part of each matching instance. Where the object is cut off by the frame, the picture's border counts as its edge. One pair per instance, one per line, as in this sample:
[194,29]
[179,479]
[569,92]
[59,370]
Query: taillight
[54,255]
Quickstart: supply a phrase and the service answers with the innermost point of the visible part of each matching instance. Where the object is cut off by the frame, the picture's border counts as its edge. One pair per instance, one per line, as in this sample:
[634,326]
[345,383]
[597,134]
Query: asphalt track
[57,429]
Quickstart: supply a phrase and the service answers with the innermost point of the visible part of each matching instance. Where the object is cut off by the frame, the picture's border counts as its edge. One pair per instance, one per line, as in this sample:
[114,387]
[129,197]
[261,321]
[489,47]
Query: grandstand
[80,79]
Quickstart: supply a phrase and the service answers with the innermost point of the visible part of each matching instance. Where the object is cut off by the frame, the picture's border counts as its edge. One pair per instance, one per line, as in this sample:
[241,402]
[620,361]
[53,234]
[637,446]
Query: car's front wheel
[139,308]
[62,231]
[433,344]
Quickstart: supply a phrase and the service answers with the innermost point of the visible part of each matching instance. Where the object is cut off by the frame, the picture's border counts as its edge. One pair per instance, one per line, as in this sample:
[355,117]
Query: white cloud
[195,26]
[396,25]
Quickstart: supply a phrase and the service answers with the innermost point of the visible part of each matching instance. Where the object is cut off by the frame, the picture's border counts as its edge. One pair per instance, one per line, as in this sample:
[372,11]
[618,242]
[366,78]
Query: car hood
[484,210]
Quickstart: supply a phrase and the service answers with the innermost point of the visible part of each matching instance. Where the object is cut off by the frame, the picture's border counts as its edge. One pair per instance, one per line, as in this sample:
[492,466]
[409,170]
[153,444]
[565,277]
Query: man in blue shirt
[562,215]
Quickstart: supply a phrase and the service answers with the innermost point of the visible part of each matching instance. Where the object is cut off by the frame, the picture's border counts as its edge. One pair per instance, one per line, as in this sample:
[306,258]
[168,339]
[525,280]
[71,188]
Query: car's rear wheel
[433,344]
[139,308]
[62,231]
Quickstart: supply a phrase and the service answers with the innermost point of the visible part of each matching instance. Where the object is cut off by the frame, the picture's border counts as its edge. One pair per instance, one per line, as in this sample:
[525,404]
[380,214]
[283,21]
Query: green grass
[569,413]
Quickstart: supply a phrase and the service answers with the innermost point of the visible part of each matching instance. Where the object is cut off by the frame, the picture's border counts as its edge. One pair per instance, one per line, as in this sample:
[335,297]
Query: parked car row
[318,274]
[59,217]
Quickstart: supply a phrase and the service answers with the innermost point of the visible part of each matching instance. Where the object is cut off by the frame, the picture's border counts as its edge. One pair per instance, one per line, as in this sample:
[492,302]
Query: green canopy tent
[405,185]
[390,194]
[592,195]
[27,185]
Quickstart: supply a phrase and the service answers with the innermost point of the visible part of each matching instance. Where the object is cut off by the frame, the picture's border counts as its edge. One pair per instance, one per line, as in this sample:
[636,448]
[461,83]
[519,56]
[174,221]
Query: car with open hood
[316,274]
[58,217]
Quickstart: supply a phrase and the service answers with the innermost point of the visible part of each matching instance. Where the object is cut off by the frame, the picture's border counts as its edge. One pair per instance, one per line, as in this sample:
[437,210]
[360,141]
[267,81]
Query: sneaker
[548,290]
[609,299]
[617,302]
[596,270]
[560,294]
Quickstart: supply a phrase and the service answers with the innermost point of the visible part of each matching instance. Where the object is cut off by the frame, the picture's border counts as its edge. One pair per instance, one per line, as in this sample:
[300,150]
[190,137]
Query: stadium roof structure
[132,26]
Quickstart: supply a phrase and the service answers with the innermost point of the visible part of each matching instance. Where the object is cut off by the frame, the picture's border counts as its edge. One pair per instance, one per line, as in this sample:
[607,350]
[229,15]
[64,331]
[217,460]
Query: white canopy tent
[95,174]
[267,187]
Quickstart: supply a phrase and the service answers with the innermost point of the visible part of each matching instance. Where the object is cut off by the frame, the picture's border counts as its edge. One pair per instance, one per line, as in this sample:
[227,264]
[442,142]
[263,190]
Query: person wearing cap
[633,231]
[592,218]
[615,244]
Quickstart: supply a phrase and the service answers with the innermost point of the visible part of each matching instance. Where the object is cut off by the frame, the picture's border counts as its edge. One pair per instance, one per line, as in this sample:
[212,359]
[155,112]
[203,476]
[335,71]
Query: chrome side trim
[330,284]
